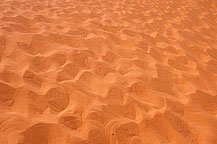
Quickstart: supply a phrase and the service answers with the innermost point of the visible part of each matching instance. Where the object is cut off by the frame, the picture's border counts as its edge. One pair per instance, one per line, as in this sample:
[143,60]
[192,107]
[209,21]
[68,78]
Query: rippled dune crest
[108,72]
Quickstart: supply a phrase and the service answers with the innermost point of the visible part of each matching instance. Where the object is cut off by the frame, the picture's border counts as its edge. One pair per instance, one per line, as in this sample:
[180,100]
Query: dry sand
[108,72]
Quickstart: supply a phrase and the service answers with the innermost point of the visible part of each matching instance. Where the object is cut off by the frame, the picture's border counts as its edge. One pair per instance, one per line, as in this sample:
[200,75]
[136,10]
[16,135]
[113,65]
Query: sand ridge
[108,72]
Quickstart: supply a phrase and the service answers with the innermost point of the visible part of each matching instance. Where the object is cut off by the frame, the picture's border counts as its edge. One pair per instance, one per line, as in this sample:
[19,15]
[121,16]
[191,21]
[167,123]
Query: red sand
[108,72]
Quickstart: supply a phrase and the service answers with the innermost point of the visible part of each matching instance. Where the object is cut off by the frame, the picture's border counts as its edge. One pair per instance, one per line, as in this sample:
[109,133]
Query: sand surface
[108,72]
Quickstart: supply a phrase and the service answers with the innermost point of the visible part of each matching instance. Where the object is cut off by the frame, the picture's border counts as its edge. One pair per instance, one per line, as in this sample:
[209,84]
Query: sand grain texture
[108,72]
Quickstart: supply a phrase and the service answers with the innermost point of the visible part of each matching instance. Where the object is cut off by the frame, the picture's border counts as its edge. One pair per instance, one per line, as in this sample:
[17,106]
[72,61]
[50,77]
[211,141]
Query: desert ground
[108,72]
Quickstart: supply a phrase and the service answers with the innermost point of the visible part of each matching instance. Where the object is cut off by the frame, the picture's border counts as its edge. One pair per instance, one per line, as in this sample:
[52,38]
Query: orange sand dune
[108,72]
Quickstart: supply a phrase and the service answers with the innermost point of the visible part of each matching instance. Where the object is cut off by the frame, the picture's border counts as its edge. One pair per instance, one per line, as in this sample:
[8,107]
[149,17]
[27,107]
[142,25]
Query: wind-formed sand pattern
[108,72]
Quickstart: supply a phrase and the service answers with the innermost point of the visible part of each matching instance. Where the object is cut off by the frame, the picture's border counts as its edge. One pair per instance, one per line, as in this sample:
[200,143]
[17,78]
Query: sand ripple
[108,72]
